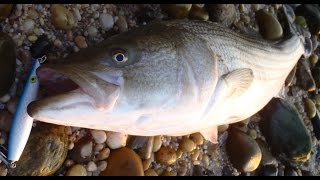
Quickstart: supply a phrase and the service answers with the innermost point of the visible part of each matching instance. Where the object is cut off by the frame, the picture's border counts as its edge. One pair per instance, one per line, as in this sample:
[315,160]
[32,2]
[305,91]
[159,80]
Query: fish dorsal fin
[210,134]
[237,81]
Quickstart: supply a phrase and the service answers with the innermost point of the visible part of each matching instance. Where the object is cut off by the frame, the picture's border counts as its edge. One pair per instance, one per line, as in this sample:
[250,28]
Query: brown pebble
[166,156]
[123,162]
[77,170]
[310,107]
[157,142]
[81,42]
[187,145]
[169,173]
[150,172]
[196,138]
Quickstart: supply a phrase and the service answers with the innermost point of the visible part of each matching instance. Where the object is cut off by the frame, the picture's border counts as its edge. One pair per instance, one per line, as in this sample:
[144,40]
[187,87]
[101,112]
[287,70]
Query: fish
[170,78]
[22,123]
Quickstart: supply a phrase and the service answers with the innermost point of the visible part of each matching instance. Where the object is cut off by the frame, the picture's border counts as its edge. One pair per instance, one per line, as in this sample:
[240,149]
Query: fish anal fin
[238,81]
[211,134]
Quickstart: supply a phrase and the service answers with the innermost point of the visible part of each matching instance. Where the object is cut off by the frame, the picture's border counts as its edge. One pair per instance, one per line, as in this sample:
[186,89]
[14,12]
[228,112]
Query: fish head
[118,81]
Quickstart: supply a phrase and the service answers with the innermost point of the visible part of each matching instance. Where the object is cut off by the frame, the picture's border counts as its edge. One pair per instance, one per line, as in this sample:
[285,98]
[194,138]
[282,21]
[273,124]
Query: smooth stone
[267,157]
[244,152]
[197,138]
[290,77]
[312,15]
[177,11]
[45,152]
[304,76]
[222,13]
[290,172]
[316,99]
[252,133]
[12,104]
[116,140]
[187,145]
[205,160]
[300,20]
[92,31]
[313,59]
[136,142]
[5,121]
[122,24]
[77,14]
[146,151]
[82,151]
[284,130]
[5,10]
[106,21]
[269,170]
[269,26]
[7,63]
[104,154]
[316,75]
[91,166]
[61,17]
[147,162]
[123,162]
[81,42]
[168,173]
[166,156]
[195,155]
[199,14]
[310,107]
[102,165]
[77,170]
[99,136]
[157,143]
[150,172]
[316,125]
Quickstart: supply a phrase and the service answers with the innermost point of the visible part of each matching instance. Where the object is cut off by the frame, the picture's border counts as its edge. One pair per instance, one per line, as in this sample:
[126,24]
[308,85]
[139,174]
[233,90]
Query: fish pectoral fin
[211,134]
[237,81]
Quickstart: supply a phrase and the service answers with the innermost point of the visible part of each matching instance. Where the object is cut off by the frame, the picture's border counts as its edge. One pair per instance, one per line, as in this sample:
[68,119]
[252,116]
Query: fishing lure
[22,123]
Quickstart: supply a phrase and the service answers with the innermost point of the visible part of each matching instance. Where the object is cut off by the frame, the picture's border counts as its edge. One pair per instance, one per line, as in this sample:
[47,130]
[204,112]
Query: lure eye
[119,56]
[33,79]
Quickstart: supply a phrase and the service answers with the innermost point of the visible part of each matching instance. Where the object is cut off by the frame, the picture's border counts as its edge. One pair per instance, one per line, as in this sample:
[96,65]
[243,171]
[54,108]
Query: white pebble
[5,98]
[91,166]
[106,21]
[57,43]
[77,14]
[92,31]
[98,148]
[71,146]
[116,140]
[28,25]
[99,136]
[12,105]
[102,165]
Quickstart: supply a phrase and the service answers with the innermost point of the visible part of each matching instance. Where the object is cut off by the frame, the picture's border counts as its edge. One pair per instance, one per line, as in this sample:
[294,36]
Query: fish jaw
[95,94]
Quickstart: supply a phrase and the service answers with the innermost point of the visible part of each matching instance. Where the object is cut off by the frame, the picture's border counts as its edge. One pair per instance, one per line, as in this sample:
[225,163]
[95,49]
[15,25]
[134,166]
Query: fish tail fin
[290,28]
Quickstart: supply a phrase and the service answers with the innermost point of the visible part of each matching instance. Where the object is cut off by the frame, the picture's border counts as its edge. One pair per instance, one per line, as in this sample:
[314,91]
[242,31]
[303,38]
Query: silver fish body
[174,78]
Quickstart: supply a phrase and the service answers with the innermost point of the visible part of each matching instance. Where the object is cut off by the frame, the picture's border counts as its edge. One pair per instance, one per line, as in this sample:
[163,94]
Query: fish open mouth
[68,88]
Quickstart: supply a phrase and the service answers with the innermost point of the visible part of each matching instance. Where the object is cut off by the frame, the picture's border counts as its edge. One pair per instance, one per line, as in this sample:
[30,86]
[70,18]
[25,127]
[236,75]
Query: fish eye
[119,56]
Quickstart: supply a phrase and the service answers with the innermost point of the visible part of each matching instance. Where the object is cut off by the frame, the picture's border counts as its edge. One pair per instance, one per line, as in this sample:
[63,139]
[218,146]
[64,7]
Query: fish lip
[102,101]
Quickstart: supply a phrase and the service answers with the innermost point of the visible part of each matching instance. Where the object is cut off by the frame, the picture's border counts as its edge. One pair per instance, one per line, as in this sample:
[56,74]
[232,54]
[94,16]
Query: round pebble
[28,25]
[123,162]
[91,166]
[166,156]
[104,154]
[116,140]
[177,11]
[187,145]
[157,142]
[313,59]
[196,138]
[310,107]
[98,135]
[61,17]
[77,170]
[205,160]
[12,104]
[269,26]
[102,165]
[122,24]
[106,21]
[77,14]
[92,31]
[195,155]
[150,172]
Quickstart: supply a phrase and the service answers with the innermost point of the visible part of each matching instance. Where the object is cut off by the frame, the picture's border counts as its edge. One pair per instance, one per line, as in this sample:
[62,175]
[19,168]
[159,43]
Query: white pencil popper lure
[22,123]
